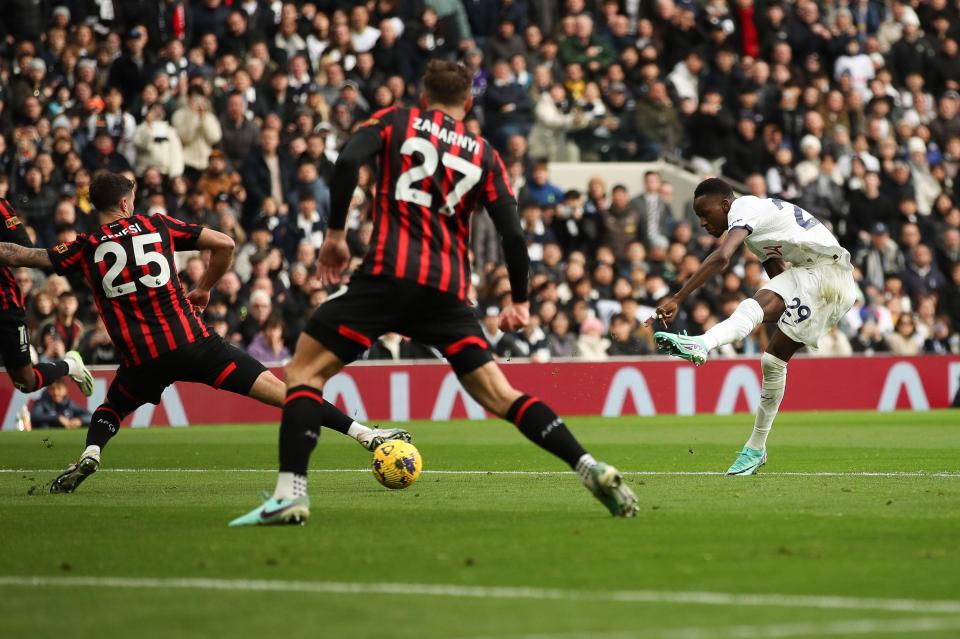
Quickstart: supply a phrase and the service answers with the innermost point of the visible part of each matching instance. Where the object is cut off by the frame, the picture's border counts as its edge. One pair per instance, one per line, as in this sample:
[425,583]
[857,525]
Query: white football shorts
[816,298]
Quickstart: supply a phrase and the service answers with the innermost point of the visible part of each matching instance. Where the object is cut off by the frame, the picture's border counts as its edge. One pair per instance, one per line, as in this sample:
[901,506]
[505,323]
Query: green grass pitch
[812,547]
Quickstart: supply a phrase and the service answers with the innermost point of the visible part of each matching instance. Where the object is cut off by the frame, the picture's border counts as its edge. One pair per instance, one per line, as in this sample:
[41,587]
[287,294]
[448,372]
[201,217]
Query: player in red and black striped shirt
[14,338]
[154,323]
[414,279]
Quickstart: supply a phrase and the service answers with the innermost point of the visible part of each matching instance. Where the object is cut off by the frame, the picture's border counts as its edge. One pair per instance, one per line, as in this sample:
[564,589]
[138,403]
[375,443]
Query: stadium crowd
[230,114]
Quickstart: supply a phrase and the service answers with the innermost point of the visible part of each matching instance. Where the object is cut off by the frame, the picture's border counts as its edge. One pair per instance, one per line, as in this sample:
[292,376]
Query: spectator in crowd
[55,409]
[157,145]
[905,340]
[592,345]
[850,112]
[199,130]
[267,346]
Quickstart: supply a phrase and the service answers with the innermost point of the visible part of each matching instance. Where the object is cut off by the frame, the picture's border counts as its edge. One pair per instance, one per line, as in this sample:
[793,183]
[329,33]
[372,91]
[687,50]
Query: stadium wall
[380,392]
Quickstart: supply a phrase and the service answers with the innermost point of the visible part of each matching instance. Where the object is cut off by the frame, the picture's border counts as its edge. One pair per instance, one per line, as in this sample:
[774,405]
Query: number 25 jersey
[433,175]
[130,268]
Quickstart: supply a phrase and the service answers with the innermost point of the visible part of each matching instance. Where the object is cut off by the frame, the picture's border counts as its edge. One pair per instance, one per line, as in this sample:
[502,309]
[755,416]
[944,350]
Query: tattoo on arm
[15,255]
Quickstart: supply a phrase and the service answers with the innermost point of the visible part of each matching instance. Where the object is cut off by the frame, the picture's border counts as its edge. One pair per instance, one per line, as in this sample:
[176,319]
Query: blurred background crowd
[230,114]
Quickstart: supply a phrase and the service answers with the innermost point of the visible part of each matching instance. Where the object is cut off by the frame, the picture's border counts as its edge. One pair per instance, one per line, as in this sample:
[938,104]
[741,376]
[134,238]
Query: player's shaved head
[713,186]
[447,82]
[107,189]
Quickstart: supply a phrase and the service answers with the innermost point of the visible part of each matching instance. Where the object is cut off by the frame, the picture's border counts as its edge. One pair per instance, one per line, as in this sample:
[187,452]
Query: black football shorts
[211,361]
[353,318]
[14,339]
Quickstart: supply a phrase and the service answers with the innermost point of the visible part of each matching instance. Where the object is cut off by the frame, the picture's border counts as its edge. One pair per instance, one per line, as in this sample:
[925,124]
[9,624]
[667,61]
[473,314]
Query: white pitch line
[842,628]
[655,473]
[494,592]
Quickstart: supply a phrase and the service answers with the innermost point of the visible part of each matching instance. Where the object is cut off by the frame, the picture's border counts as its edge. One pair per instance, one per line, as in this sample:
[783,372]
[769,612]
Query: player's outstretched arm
[715,263]
[505,219]
[221,248]
[16,255]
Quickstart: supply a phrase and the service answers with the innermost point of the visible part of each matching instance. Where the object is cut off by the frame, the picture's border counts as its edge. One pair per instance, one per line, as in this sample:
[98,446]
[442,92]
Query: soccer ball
[396,464]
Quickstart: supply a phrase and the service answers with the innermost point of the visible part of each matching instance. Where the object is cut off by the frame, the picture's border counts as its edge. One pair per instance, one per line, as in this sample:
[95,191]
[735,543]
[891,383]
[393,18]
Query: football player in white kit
[806,300]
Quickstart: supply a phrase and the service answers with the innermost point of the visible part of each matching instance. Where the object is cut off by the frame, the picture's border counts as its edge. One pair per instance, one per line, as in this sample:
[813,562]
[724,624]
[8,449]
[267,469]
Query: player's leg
[765,306]
[773,366]
[122,399]
[27,377]
[303,411]
[541,425]
[339,331]
[234,370]
[445,322]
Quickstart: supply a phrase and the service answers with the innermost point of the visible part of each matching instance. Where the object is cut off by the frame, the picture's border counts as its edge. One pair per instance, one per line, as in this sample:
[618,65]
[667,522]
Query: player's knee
[24,379]
[297,375]
[773,368]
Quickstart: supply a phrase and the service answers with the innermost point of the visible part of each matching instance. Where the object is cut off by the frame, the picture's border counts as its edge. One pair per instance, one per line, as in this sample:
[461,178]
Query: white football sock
[584,464]
[774,382]
[91,451]
[358,430]
[290,486]
[748,316]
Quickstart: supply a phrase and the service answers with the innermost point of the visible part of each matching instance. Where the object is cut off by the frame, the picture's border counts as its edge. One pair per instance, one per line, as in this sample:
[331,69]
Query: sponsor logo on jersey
[13,221]
[60,248]
[774,249]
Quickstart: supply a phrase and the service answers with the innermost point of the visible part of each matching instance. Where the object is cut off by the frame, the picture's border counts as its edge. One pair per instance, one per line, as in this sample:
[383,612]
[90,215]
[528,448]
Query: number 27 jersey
[129,266]
[433,175]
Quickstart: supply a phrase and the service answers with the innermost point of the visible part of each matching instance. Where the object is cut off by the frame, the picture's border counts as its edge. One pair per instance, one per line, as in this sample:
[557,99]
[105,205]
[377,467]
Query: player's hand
[666,311]
[334,257]
[515,316]
[198,299]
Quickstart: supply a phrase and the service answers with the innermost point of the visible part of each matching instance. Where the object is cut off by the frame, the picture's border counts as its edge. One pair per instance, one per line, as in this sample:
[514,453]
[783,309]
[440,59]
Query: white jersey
[784,230]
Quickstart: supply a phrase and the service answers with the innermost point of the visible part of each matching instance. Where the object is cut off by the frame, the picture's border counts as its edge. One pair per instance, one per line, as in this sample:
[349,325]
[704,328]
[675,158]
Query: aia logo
[774,249]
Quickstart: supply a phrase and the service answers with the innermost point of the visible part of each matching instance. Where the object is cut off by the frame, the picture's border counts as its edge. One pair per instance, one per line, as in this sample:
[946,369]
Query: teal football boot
[748,462]
[683,346]
[276,511]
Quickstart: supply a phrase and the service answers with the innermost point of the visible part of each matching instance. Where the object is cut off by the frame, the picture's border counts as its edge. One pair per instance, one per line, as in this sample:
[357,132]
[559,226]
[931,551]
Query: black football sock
[334,419]
[543,427]
[303,412]
[49,372]
[104,424]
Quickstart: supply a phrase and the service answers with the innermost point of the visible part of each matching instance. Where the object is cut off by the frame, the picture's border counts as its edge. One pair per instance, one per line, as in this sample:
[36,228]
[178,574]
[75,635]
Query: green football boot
[606,484]
[276,511]
[683,346]
[748,462]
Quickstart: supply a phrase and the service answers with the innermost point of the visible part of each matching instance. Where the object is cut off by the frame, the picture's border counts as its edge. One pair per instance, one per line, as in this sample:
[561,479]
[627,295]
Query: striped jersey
[433,175]
[11,230]
[130,268]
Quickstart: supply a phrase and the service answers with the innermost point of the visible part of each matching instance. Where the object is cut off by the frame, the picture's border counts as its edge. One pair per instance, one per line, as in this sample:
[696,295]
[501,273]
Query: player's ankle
[358,431]
[91,451]
[290,486]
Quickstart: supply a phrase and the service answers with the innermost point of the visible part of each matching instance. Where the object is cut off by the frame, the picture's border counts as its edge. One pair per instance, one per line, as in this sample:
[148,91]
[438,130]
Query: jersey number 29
[405,191]
[141,257]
